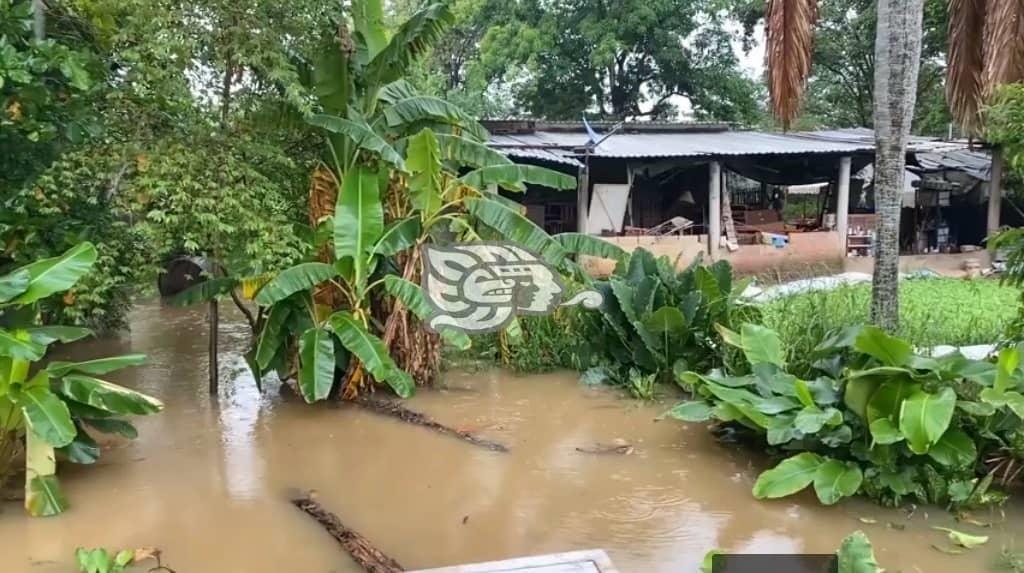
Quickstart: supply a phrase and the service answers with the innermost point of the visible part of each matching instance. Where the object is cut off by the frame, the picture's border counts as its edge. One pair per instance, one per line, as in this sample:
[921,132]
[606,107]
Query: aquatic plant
[49,408]
[656,320]
[876,418]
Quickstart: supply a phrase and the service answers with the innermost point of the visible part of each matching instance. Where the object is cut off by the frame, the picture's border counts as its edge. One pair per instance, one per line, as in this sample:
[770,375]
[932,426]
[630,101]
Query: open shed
[666,186]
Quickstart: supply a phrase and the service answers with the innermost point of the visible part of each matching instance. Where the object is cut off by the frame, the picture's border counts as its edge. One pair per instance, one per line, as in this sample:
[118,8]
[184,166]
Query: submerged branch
[395,410]
[362,551]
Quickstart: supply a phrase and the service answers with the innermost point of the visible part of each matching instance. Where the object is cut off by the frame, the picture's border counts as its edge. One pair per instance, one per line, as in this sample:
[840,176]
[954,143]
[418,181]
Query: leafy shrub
[655,319]
[932,312]
[876,418]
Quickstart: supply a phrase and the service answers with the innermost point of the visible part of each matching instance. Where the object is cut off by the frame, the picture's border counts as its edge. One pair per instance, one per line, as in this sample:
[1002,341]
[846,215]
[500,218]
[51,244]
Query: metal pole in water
[214,319]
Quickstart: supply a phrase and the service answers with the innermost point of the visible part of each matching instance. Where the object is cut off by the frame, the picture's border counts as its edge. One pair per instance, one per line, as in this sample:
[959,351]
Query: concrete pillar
[995,192]
[843,201]
[582,200]
[714,207]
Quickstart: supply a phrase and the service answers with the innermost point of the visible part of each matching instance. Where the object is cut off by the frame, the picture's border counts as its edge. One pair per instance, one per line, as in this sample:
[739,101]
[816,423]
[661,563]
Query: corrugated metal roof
[865,136]
[974,163]
[665,145]
[728,143]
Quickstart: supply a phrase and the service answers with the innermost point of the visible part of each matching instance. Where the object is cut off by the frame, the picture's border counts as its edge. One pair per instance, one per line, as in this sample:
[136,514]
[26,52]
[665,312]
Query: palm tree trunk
[897,60]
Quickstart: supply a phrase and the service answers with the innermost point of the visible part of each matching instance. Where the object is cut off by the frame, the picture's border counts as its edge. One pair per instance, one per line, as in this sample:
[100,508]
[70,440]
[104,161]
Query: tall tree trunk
[39,19]
[897,60]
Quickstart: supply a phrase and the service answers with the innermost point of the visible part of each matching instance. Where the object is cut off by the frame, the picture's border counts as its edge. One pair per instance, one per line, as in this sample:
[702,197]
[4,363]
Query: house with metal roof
[669,187]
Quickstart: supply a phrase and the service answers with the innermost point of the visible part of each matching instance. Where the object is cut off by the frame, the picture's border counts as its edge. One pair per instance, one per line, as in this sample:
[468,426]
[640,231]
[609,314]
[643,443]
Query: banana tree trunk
[897,60]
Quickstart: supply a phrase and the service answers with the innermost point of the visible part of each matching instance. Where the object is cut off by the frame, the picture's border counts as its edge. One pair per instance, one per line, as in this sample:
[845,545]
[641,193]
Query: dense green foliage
[934,311]
[655,320]
[49,407]
[842,82]
[560,60]
[873,418]
[151,136]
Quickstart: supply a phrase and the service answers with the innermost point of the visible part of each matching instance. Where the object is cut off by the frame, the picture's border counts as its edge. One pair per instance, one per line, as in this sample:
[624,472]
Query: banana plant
[49,408]
[365,250]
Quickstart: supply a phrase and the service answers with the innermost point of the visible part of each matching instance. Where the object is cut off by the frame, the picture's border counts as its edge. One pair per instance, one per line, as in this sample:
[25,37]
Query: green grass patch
[933,311]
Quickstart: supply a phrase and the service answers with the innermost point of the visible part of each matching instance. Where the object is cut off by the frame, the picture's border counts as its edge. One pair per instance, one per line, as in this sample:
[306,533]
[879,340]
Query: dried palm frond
[965,71]
[789,41]
[1004,43]
[323,194]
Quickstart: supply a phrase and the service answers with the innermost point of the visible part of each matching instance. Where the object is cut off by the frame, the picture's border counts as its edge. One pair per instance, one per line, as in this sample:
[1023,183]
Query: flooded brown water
[208,481]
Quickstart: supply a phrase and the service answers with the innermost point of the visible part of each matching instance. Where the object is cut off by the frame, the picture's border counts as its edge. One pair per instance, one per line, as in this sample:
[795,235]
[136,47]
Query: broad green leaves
[427,181]
[515,227]
[361,135]
[358,219]
[832,479]
[398,236]
[691,412]
[835,480]
[371,352]
[925,417]
[205,291]
[47,416]
[301,277]
[316,369]
[43,497]
[106,396]
[411,295]
[409,110]
[760,345]
[954,449]
[888,350]
[581,244]
[13,284]
[96,367]
[512,177]
[57,274]
[856,555]
[20,346]
[788,477]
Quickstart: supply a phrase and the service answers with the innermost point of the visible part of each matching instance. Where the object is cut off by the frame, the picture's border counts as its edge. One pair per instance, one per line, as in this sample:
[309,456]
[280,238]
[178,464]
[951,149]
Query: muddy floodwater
[208,480]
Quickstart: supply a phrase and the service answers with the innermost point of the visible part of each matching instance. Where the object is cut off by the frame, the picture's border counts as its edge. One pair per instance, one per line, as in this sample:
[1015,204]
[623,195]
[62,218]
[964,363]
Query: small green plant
[98,560]
[49,408]
[876,418]
[642,386]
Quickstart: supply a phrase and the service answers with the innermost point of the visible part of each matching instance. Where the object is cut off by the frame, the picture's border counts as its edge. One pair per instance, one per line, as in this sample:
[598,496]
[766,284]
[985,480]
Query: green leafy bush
[875,418]
[655,319]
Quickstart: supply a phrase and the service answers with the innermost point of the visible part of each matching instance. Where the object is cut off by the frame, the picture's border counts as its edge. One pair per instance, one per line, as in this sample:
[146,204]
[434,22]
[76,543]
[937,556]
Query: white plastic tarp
[607,208]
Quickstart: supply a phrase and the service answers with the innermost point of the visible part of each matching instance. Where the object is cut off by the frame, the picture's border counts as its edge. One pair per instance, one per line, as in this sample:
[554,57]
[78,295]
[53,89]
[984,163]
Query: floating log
[368,557]
[395,410]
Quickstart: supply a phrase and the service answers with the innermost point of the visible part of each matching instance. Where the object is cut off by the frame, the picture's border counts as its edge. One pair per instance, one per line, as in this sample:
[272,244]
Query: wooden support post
[995,192]
[714,207]
[583,200]
[843,201]
[214,319]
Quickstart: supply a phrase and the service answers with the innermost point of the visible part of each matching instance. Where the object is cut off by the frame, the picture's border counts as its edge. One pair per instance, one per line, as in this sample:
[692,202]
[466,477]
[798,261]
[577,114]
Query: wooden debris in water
[619,447]
[395,410]
[362,551]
